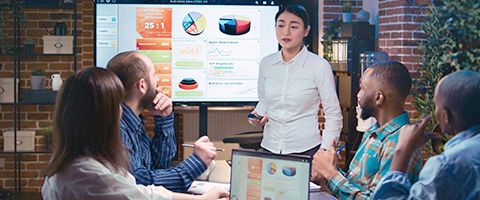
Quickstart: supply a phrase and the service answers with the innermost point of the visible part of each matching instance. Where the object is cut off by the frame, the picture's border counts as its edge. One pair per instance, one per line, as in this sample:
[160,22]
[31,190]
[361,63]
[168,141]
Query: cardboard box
[6,90]
[25,141]
[53,44]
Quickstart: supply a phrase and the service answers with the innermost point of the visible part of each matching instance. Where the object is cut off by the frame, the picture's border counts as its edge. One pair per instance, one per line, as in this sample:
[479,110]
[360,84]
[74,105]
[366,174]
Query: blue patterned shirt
[151,158]
[454,174]
[372,161]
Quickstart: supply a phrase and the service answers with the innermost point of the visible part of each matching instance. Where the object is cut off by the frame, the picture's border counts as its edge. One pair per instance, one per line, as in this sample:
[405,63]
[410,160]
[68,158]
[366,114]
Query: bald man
[455,173]
[383,90]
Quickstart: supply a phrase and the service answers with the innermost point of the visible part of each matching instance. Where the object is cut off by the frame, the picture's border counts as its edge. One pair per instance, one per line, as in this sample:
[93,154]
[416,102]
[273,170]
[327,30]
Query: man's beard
[367,109]
[147,100]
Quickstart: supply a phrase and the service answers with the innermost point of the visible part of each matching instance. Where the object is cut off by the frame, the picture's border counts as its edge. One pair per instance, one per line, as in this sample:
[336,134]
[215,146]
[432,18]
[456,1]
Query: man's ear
[379,97]
[448,117]
[141,85]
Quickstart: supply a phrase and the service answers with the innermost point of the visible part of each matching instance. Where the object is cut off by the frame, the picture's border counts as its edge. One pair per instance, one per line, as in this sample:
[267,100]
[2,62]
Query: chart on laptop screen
[268,177]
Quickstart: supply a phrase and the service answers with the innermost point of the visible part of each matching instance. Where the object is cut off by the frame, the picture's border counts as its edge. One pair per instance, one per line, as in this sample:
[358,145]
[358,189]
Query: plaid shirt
[372,161]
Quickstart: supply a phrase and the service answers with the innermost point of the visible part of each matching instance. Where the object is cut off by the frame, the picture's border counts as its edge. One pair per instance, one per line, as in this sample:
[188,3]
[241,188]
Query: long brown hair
[87,120]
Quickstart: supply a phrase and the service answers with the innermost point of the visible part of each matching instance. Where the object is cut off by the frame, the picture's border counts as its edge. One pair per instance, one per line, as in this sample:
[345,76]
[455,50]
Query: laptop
[258,175]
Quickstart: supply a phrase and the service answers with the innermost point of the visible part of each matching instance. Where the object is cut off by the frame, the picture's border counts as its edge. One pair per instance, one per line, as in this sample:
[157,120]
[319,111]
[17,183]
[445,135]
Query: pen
[340,148]
[191,146]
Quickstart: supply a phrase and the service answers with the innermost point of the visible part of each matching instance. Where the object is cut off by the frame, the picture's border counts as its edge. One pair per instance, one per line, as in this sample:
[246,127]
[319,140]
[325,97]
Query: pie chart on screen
[234,24]
[194,23]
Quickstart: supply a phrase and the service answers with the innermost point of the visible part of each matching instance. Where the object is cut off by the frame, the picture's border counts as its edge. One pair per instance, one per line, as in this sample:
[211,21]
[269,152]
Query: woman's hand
[258,120]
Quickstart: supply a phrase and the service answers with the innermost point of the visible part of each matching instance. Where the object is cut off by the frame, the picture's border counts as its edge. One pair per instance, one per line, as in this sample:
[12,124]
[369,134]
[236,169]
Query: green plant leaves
[452,43]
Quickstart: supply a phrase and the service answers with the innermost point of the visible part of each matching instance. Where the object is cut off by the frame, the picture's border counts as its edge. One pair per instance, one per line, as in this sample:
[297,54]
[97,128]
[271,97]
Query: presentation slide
[202,53]
[264,178]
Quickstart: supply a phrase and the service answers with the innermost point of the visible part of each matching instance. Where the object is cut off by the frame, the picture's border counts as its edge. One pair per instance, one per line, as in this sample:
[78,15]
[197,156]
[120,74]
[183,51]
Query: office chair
[246,140]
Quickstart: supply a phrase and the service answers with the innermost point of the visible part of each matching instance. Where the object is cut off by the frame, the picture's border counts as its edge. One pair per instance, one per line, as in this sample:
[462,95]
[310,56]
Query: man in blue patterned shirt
[151,157]
[383,90]
[455,173]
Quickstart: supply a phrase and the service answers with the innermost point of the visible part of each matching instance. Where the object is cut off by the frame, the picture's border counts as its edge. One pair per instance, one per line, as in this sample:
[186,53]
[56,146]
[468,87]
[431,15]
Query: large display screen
[203,52]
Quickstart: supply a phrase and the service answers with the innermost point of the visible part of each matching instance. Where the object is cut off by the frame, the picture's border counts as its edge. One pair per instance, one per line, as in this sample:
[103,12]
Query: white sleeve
[331,106]
[106,186]
[153,192]
[261,108]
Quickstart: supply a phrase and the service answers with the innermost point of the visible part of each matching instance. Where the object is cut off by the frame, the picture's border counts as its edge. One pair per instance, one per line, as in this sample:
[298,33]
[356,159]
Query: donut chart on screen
[234,24]
[194,23]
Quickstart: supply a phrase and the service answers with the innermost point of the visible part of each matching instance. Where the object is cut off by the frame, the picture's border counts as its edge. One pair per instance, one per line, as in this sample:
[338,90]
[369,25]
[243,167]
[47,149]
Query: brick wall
[400,34]
[37,117]
[332,9]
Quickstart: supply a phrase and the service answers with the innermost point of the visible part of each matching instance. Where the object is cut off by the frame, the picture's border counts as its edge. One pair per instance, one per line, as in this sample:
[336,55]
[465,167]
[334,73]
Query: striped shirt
[151,158]
[372,161]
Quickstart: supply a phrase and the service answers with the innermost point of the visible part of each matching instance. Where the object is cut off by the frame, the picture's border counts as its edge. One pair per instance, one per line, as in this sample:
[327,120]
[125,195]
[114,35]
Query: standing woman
[292,84]
[89,160]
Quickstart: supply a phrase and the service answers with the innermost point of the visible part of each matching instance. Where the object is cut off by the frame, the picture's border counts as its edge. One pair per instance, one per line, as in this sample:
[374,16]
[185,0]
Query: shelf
[64,6]
[35,97]
[41,150]
[48,4]
[23,55]
[28,97]
[24,196]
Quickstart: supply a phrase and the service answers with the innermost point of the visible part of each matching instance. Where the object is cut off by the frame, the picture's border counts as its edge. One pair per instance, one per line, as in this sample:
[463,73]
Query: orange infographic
[154,22]
[154,44]
[163,68]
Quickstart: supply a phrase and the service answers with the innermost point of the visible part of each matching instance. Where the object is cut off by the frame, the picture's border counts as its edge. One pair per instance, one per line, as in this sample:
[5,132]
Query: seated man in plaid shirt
[383,90]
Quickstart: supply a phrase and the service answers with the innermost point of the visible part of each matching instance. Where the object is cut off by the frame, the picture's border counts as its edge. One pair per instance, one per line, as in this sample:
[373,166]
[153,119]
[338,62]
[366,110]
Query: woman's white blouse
[86,178]
[290,94]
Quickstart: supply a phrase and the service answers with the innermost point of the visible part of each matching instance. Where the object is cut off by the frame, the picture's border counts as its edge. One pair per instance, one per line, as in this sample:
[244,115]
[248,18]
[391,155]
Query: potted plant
[331,31]
[37,78]
[29,45]
[347,11]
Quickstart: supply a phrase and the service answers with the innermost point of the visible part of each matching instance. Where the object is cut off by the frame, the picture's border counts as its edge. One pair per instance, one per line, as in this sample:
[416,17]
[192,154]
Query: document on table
[200,187]
[314,187]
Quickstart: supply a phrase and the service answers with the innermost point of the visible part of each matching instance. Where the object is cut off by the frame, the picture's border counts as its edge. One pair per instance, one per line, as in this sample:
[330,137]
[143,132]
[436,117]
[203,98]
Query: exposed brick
[44,157]
[9,116]
[36,15]
[38,116]
[29,174]
[28,108]
[409,58]
[59,66]
[43,108]
[35,182]
[36,166]
[10,166]
[60,16]
[32,189]
[28,125]
[6,174]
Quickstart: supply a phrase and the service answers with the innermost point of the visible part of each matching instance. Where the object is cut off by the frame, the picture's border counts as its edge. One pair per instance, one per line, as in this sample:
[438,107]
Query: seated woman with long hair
[88,160]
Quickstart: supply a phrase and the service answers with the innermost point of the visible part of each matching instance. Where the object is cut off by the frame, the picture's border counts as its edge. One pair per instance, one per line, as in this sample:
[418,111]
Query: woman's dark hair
[297,10]
[87,121]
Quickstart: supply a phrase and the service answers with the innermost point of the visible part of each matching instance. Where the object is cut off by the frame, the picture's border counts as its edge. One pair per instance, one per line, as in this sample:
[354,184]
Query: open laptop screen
[266,176]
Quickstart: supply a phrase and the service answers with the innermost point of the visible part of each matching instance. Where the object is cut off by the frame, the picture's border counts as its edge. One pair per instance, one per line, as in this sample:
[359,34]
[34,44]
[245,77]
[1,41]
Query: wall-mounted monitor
[203,51]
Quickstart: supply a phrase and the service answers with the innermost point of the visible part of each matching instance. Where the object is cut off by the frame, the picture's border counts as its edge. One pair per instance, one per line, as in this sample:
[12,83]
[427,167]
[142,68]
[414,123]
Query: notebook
[265,176]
